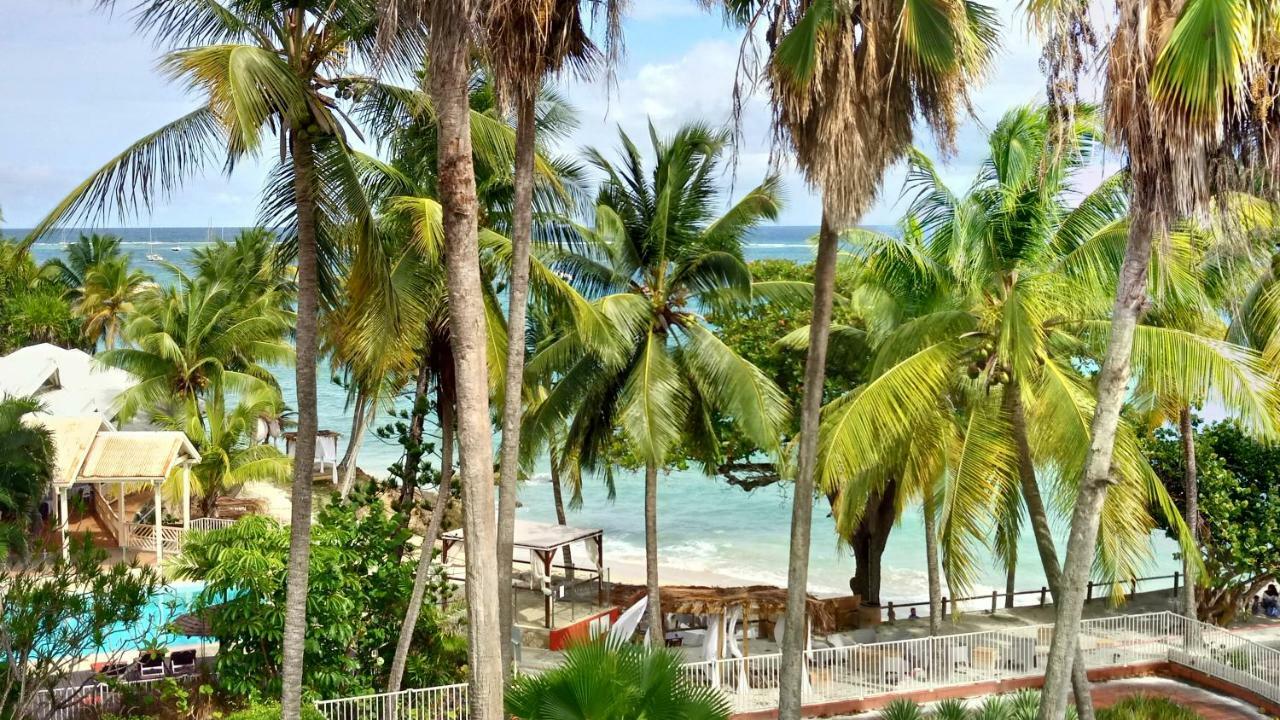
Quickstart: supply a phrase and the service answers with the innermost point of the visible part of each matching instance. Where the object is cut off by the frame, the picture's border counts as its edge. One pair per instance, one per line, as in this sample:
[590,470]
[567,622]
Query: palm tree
[26,472]
[528,42]
[107,297]
[657,254]
[192,337]
[1011,282]
[847,83]
[613,680]
[264,68]
[229,455]
[87,253]
[1189,99]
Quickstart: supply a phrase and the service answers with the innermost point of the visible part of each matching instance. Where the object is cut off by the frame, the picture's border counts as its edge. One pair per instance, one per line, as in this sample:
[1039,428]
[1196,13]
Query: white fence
[446,702]
[91,700]
[207,523]
[905,666]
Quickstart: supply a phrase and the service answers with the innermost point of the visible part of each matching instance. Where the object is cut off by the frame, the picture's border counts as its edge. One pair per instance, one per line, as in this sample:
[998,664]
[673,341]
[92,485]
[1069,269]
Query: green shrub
[1147,707]
[271,711]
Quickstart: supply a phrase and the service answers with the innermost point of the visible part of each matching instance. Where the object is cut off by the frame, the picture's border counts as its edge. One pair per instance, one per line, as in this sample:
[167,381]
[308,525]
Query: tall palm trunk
[931,562]
[295,617]
[1043,534]
[795,628]
[1113,379]
[557,498]
[449,50]
[1191,489]
[651,553]
[518,292]
[362,415]
[444,412]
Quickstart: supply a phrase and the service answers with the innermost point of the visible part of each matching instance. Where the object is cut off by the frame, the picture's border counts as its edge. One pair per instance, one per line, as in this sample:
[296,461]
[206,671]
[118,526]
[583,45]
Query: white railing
[446,702]
[89,700]
[207,523]
[904,666]
[1221,654]
[142,536]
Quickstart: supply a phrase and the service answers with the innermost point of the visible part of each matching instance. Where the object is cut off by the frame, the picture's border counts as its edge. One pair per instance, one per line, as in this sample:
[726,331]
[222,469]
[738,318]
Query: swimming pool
[151,629]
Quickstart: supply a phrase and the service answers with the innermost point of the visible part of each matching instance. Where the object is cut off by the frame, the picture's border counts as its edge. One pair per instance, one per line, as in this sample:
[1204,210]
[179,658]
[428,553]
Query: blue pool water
[151,629]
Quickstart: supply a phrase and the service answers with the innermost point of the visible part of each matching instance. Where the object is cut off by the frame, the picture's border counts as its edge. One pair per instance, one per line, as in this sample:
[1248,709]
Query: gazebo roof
[87,450]
[538,536]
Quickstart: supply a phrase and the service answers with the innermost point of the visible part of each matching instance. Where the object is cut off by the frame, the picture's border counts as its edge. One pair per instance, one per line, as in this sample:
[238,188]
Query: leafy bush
[611,680]
[271,711]
[56,613]
[1147,707]
[1025,705]
[359,586]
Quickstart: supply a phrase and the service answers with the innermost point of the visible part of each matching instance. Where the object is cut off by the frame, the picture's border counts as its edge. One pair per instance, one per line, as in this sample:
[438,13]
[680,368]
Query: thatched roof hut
[757,601]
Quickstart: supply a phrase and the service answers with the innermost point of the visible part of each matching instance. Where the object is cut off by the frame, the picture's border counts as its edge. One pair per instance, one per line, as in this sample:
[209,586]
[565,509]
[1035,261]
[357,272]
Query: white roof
[539,536]
[67,382]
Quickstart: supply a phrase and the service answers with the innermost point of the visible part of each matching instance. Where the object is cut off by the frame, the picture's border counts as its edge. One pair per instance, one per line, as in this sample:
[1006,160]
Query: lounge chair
[151,666]
[112,670]
[182,662]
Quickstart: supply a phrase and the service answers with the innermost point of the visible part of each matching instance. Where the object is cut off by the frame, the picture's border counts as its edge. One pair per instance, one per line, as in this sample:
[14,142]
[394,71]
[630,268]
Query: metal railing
[88,700]
[858,672]
[996,599]
[446,702]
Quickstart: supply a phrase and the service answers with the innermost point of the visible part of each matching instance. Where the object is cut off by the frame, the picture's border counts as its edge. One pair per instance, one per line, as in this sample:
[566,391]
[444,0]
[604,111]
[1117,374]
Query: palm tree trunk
[869,540]
[656,636]
[557,497]
[795,628]
[295,618]
[1043,534]
[360,420]
[518,292]
[931,563]
[444,412]
[1191,490]
[449,50]
[1113,380]
[1011,582]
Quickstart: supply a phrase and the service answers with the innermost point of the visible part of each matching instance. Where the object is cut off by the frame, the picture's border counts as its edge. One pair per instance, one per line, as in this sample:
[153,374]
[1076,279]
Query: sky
[79,85]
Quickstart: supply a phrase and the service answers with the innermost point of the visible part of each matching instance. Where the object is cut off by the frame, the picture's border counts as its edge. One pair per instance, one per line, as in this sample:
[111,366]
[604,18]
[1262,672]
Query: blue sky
[78,86]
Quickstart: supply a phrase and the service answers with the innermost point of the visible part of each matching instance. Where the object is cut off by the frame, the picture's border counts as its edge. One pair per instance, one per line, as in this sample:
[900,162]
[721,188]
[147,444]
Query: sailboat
[152,255]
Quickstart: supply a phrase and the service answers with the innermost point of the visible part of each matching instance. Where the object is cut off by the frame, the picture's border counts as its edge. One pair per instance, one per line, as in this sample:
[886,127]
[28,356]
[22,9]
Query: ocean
[704,524]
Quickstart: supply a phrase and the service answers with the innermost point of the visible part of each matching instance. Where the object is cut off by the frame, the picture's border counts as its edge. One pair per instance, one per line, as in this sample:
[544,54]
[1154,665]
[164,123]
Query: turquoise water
[151,628]
[704,524]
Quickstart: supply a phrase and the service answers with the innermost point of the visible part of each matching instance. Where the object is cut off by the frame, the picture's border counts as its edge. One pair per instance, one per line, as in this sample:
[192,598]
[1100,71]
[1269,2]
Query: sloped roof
[72,437]
[86,449]
[148,455]
[67,382]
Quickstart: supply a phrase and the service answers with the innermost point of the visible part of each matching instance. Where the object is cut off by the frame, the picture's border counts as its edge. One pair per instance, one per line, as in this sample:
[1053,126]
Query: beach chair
[182,662]
[112,670]
[151,666]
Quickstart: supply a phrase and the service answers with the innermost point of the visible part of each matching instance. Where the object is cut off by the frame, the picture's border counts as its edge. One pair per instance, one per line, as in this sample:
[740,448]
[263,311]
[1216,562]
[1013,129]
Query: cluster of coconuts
[984,356]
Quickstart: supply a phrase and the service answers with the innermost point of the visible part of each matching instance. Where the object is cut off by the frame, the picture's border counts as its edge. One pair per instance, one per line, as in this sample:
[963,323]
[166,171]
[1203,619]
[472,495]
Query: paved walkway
[1209,705]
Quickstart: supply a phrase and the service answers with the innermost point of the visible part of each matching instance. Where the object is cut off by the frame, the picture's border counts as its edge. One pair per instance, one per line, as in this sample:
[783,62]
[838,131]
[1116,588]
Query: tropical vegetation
[615,680]
[1013,354]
